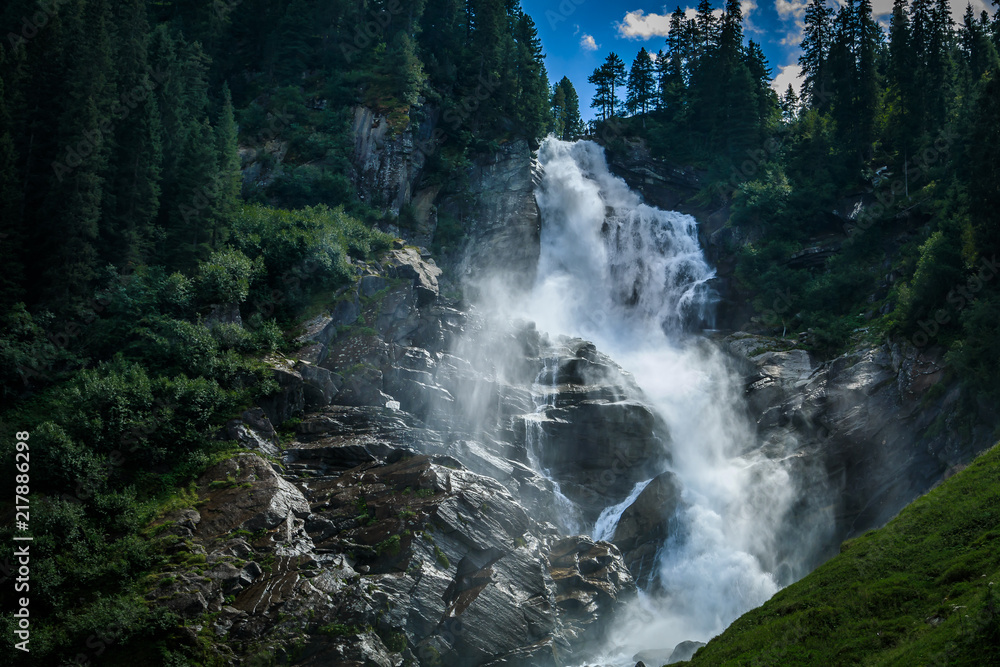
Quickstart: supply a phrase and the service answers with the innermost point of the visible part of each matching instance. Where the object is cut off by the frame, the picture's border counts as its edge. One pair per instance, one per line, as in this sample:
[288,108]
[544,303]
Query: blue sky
[578,34]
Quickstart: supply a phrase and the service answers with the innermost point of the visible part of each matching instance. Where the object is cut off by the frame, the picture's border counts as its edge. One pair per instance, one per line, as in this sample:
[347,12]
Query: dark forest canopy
[119,117]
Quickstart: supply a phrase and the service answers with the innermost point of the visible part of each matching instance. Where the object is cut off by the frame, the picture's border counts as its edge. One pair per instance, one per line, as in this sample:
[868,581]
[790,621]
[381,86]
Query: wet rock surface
[399,520]
[875,421]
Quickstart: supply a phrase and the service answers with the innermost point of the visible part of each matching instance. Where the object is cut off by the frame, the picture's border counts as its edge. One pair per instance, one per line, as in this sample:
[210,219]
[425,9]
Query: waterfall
[633,279]
[543,396]
[604,527]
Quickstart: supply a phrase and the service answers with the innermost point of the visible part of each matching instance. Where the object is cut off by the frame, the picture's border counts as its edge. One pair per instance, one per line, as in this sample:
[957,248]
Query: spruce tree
[558,107]
[132,195]
[707,29]
[901,80]
[531,113]
[11,239]
[641,85]
[816,41]
[615,68]
[69,221]
[572,123]
[602,78]
[229,180]
[789,104]
[867,87]
[731,31]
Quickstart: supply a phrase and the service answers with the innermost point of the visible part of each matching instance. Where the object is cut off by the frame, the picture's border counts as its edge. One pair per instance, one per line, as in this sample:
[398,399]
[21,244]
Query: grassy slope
[917,592]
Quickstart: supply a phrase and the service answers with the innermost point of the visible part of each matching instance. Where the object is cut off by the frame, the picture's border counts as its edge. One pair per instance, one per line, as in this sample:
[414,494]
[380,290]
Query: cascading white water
[544,398]
[607,522]
[632,278]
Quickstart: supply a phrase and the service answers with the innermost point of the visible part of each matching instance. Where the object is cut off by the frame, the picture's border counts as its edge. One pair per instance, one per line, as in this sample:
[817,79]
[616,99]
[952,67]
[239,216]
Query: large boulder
[646,524]
[289,400]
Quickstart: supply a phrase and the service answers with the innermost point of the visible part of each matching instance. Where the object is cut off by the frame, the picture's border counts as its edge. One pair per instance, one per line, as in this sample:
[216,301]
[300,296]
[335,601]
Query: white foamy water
[633,279]
[607,522]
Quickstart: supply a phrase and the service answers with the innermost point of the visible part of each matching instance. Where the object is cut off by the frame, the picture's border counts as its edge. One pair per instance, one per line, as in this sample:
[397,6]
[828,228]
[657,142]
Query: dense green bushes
[127,410]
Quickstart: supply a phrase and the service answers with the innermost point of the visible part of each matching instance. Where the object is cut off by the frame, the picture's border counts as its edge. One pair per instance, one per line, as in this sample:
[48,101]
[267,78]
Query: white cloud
[748,7]
[795,8]
[640,25]
[795,35]
[788,74]
[587,43]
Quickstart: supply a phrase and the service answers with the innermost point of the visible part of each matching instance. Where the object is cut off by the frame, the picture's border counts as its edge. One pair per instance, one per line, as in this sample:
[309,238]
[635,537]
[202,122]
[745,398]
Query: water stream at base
[633,279]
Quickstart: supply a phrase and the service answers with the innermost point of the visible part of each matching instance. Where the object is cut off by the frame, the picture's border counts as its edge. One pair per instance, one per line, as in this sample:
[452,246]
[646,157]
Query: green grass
[920,591]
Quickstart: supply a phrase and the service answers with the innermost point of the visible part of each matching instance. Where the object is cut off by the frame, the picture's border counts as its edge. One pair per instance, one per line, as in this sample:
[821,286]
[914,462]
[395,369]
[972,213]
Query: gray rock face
[289,400]
[862,421]
[501,215]
[646,524]
[406,263]
[684,651]
[407,524]
[385,164]
[398,557]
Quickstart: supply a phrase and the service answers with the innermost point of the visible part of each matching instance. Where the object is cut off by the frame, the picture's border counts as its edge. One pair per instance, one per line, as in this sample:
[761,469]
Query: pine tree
[133,184]
[601,79]
[901,128]
[983,168]
[641,86]
[731,32]
[978,50]
[843,73]
[403,67]
[867,86]
[816,42]
[615,67]
[444,24]
[230,179]
[558,107]
[69,221]
[11,239]
[707,29]
[531,105]
[572,124]
[607,78]
[789,104]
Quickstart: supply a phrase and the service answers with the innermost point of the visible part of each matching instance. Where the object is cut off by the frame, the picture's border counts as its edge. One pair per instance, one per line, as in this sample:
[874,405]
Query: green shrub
[226,277]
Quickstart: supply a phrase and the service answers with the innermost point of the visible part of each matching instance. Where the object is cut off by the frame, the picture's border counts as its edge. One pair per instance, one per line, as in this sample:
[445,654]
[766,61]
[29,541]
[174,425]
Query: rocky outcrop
[495,208]
[646,524]
[386,166]
[408,522]
[499,213]
[385,557]
[876,420]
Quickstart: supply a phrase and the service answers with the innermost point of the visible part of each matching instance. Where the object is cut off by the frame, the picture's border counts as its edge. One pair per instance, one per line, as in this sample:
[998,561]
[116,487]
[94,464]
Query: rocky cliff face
[500,214]
[400,522]
[494,207]
[876,420]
